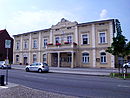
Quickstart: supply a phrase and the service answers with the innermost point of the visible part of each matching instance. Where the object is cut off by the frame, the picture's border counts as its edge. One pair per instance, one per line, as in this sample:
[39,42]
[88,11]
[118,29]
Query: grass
[120,75]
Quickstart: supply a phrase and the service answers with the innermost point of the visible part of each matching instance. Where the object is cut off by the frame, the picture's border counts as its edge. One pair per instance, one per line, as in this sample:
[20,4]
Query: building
[4,35]
[67,44]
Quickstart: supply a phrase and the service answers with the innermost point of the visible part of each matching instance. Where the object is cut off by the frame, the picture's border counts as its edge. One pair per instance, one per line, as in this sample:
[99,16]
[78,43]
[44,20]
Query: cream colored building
[67,44]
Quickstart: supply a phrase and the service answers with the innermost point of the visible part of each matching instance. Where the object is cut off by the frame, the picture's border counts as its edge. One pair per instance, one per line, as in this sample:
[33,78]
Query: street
[68,84]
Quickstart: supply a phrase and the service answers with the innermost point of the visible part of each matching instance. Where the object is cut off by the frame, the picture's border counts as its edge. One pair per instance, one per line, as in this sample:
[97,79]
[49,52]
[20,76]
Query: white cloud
[103,14]
[24,21]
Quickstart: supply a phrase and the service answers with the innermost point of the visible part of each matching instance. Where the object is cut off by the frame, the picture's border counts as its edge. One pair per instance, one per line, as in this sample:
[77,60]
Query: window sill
[102,43]
[103,63]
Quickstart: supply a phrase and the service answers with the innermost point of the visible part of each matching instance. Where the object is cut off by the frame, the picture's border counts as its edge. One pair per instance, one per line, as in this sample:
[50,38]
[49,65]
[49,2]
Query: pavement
[79,71]
[18,91]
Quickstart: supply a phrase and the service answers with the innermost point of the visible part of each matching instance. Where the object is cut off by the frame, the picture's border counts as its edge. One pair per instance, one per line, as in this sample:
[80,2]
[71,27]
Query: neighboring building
[67,44]
[4,35]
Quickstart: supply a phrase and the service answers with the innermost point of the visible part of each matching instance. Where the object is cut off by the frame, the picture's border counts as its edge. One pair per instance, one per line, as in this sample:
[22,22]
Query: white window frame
[104,38]
[45,42]
[87,38]
[17,58]
[35,44]
[25,44]
[85,59]
[103,58]
[69,39]
[17,45]
[34,58]
[44,58]
[59,40]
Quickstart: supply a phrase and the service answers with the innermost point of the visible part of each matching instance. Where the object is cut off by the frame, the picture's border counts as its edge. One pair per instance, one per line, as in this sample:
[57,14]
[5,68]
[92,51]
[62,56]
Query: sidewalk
[80,71]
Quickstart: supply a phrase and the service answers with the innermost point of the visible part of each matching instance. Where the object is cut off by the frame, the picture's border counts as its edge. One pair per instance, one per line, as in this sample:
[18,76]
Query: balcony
[65,45]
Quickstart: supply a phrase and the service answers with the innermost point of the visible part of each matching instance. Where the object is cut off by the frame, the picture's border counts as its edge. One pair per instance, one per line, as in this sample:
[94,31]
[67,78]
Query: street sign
[7,43]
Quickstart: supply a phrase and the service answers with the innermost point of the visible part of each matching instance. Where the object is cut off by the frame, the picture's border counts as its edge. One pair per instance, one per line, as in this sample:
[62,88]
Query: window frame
[82,39]
[102,38]
[103,58]
[85,58]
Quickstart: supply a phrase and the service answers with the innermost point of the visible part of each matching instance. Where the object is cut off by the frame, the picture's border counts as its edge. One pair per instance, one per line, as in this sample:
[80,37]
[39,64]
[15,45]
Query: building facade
[4,35]
[67,44]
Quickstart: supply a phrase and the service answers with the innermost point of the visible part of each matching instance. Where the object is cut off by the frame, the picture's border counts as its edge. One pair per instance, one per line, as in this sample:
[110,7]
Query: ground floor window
[85,57]
[34,58]
[44,58]
[69,58]
[103,57]
[17,58]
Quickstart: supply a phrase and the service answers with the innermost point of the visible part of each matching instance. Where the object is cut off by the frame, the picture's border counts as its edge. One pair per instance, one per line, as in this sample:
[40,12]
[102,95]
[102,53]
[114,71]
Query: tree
[119,47]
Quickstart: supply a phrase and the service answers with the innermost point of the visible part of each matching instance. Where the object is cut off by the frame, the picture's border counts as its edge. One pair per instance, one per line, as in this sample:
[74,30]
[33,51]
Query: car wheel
[2,67]
[39,70]
[27,69]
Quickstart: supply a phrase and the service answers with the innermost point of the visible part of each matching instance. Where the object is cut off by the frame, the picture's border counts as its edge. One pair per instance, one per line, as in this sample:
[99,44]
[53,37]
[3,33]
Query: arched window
[103,57]
[34,58]
[85,57]
[44,58]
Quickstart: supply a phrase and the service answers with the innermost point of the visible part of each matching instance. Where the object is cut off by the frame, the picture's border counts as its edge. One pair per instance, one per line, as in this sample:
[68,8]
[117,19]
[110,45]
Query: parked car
[3,65]
[38,66]
[126,64]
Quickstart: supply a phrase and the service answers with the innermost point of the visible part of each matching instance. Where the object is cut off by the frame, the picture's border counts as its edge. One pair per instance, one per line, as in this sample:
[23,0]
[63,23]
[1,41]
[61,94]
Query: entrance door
[54,60]
[25,60]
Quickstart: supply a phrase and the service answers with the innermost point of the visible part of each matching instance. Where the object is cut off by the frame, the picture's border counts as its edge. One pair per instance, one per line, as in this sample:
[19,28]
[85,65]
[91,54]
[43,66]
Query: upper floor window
[57,40]
[17,45]
[25,44]
[103,57]
[44,43]
[85,57]
[34,43]
[85,39]
[69,39]
[102,38]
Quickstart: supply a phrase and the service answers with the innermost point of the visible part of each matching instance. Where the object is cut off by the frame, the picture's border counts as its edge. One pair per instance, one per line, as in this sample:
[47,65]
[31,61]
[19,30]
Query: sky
[21,16]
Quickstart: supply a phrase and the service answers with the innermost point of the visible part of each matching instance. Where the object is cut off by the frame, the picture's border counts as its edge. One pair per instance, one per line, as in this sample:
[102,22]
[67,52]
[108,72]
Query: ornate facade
[67,44]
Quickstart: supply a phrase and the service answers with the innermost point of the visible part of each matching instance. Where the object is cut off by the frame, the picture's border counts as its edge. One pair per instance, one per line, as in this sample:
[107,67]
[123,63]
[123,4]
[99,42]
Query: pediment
[64,23]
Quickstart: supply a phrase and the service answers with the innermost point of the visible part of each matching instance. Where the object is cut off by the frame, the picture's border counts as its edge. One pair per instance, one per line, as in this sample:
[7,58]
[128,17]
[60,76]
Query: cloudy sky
[21,16]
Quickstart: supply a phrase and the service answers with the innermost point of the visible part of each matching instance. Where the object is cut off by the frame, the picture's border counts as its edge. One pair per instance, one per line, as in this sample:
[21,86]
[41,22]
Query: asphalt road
[75,85]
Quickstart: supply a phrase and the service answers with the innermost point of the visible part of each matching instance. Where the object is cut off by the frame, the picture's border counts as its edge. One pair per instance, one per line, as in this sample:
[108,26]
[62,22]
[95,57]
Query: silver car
[3,65]
[126,65]
[38,66]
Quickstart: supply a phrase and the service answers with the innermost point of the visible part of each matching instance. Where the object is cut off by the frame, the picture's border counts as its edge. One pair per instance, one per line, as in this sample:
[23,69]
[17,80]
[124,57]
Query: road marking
[35,77]
[3,87]
[126,86]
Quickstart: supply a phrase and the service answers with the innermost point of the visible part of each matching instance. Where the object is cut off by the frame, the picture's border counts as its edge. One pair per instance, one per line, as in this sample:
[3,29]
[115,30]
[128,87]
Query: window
[69,39]
[34,58]
[44,58]
[103,57]
[34,43]
[102,38]
[45,43]
[17,45]
[17,58]
[69,60]
[85,39]
[85,57]
[57,40]
[25,44]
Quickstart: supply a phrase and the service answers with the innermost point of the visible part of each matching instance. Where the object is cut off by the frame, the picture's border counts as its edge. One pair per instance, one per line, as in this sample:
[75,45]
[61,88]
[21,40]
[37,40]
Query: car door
[32,67]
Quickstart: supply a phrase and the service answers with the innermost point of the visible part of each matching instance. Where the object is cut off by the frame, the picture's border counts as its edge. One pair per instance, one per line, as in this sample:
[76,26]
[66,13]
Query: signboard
[7,43]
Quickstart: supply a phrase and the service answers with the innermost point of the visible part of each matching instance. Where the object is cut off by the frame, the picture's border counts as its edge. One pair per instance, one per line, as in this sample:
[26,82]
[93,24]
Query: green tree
[119,47]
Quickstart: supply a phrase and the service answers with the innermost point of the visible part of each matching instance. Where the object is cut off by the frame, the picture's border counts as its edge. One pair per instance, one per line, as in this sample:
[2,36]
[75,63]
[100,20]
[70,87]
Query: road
[75,85]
